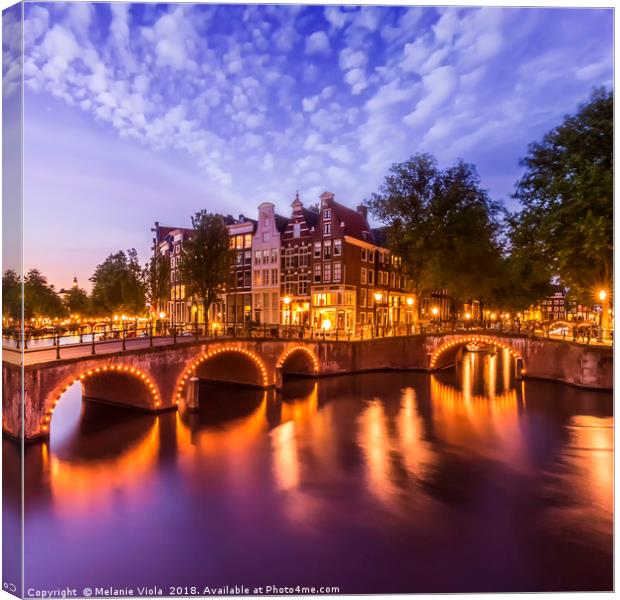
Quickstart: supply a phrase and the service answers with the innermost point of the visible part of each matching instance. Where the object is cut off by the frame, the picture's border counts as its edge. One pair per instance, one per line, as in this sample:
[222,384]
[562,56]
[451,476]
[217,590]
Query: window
[304,253]
[239,279]
[247,279]
[231,242]
[327,228]
[327,272]
[364,254]
[371,277]
[393,279]
[239,261]
[238,242]
[327,250]
[371,256]
[337,247]
[317,249]
[327,214]
[296,230]
[247,240]
[303,284]
[248,258]
[257,256]
[337,271]
[274,276]
[363,277]
[317,273]
[379,277]
[265,256]
[274,255]
[363,297]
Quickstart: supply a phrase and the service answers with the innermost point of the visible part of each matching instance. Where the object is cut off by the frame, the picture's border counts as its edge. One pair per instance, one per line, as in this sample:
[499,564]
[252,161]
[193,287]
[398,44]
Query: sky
[140,112]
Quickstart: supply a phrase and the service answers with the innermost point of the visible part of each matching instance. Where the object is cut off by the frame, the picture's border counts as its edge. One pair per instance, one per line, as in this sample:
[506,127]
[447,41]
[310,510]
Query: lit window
[363,277]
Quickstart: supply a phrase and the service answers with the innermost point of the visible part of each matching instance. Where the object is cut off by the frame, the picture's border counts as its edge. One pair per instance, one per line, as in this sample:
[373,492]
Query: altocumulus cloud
[267,99]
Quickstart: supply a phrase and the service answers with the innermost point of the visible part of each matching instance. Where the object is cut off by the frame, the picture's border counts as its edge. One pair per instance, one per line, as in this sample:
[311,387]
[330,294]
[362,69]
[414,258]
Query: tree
[566,193]
[206,259]
[118,285]
[443,225]
[40,298]
[157,278]
[77,301]
[11,295]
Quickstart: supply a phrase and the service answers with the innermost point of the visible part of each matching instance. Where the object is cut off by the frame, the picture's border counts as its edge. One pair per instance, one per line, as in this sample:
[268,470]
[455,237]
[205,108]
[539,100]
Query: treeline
[120,286]
[451,234]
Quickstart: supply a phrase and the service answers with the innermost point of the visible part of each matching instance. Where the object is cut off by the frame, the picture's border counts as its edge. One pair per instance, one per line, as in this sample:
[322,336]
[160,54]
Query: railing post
[151,335]
[57,339]
[92,341]
[124,345]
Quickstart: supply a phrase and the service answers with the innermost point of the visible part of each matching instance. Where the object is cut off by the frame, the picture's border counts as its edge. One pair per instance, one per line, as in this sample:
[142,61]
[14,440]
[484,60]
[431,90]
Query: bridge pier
[519,370]
[279,379]
[192,390]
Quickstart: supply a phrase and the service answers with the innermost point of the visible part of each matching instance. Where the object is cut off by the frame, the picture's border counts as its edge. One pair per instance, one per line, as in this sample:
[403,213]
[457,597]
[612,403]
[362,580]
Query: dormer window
[327,214]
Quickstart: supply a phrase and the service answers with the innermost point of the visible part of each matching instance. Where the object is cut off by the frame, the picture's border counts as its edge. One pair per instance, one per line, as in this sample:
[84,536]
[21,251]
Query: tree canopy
[157,280]
[40,298]
[11,295]
[443,225]
[78,302]
[118,285]
[206,259]
[565,225]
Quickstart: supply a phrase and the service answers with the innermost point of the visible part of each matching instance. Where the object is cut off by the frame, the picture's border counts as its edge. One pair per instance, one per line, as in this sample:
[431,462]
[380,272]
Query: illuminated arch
[57,394]
[285,355]
[195,363]
[466,339]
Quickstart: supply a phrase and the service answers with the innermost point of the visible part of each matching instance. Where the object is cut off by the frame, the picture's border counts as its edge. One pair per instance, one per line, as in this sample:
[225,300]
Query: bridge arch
[462,340]
[300,359]
[192,367]
[97,376]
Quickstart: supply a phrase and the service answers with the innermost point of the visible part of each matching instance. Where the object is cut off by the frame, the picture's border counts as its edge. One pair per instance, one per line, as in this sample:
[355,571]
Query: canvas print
[306,300]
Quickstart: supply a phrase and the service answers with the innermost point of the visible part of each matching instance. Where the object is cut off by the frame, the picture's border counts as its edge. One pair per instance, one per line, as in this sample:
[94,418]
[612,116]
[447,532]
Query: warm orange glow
[410,301]
[434,310]
[306,350]
[602,295]
[286,300]
[378,296]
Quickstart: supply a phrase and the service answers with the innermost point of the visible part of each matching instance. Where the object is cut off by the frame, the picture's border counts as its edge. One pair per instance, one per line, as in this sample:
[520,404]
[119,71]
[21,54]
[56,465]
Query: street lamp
[287,310]
[378,298]
[602,296]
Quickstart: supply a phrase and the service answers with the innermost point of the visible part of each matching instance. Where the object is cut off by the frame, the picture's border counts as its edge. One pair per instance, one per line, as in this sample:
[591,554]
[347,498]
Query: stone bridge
[166,377]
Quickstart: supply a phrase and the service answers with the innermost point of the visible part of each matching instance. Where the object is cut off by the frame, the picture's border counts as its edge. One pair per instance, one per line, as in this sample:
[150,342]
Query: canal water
[463,481]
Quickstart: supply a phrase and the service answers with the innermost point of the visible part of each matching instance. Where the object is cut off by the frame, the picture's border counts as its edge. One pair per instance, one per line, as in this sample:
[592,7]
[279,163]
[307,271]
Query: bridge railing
[134,336]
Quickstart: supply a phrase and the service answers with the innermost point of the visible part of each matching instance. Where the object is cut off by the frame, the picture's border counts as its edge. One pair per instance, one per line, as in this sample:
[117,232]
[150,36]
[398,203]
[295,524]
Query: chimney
[363,210]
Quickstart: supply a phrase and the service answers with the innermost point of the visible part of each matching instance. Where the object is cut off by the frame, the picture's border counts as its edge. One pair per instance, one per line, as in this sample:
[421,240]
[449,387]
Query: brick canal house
[239,292]
[355,284]
[296,265]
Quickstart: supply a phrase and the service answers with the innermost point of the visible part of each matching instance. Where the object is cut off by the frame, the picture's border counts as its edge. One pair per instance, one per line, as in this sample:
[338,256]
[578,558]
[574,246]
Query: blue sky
[136,113]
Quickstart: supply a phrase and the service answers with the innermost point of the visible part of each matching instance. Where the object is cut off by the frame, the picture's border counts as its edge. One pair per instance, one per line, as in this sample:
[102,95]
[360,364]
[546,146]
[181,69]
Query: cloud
[439,85]
[318,43]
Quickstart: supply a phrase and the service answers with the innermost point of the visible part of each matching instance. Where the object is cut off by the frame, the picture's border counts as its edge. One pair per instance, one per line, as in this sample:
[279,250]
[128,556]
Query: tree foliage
[206,259]
[443,225]
[78,302]
[118,285]
[40,298]
[11,295]
[157,280]
[566,222]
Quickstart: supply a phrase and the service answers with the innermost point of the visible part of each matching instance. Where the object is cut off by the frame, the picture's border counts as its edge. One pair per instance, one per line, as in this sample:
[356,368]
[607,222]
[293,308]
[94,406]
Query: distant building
[554,307]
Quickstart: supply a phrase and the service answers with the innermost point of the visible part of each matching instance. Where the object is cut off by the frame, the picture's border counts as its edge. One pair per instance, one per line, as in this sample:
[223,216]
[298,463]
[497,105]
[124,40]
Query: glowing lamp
[286,300]
[326,325]
[410,301]
[468,316]
[435,310]
[602,295]
[162,315]
[378,296]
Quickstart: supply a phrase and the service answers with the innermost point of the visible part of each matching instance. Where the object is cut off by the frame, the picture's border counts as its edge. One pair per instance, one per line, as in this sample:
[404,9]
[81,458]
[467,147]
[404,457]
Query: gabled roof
[281,223]
[355,224]
[311,217]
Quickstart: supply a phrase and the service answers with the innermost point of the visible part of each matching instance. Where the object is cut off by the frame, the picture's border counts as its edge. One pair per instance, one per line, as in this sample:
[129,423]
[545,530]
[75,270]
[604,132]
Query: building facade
[296,265]
[239,290]
[266,248]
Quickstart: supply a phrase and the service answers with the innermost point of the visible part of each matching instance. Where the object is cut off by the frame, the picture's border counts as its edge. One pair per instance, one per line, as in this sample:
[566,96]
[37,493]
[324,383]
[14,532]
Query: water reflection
[342,481]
